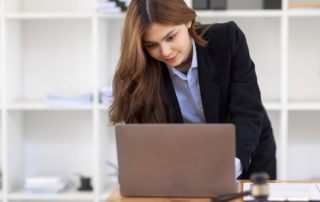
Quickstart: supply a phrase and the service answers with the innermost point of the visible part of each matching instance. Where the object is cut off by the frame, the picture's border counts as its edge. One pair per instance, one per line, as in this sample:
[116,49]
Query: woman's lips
[172,59]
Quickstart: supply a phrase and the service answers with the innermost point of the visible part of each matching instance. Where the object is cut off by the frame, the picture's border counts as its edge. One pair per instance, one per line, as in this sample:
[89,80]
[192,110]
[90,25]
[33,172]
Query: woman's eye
[171,38]
[149,46]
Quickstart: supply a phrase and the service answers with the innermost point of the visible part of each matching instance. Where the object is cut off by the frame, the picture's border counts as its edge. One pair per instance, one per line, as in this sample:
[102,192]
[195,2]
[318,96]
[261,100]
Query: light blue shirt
[187,89]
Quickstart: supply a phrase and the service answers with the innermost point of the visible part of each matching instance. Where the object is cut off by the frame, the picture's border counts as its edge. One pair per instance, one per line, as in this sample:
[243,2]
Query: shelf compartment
[67,196]
[73,6]
[242,5]
[303,145]
[106,194]
[304,60]
[304,106]
[48,57]
[272,106]
[1,57]
[246,4]
[24,106]
[114,16]
[1,156]
[109,41]
[303,13]
[54,143]
[264,51]
[275,118]
[108,162]
[239,13]
[46,16]
[303,5]
[213,14]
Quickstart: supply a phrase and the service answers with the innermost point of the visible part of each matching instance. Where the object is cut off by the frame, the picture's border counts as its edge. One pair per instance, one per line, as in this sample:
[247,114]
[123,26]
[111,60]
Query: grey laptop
[176,160]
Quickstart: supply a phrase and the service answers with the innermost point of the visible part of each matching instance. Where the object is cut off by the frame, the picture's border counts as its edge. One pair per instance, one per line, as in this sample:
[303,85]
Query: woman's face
[170,44]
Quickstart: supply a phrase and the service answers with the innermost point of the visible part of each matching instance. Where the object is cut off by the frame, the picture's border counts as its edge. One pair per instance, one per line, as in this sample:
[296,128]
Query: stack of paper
[44,185]
[290,191]
[127,2]
[106,6]
[69,99]
[106,96]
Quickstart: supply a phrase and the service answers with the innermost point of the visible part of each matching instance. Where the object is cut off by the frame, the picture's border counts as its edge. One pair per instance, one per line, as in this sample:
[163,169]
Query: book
[304,5]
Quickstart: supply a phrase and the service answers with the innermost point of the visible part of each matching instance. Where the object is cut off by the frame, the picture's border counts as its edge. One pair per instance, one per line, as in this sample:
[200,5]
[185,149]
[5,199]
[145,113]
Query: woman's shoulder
[218,28]
[221,33]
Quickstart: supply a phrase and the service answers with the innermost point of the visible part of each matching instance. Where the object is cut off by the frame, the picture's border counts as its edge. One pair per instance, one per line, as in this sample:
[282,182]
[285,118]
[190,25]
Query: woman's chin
[173,63]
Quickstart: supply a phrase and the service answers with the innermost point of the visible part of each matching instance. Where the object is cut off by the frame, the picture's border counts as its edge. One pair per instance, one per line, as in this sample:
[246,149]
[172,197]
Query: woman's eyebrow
[166,36]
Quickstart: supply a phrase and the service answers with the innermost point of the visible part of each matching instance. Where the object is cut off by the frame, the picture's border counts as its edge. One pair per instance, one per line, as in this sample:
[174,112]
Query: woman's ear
[189,24]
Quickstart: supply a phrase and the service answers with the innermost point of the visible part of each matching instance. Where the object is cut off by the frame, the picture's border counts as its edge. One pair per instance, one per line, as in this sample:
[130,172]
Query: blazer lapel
[209,90]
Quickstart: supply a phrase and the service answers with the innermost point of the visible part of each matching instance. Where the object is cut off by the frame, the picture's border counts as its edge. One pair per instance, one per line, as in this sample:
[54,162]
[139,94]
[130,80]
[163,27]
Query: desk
[115,196]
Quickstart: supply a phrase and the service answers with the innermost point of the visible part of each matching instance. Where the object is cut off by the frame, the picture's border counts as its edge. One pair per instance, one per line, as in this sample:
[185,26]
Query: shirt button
[201,109]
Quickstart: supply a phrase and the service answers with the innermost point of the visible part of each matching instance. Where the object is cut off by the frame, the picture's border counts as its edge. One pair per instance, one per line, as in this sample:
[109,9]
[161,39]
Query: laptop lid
[176,160]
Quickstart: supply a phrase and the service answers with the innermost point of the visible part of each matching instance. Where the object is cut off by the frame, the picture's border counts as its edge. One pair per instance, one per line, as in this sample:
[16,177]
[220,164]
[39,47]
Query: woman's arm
[246,109]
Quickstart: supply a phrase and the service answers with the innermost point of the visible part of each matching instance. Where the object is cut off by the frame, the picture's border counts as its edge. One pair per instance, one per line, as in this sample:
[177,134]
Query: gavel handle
[229,197]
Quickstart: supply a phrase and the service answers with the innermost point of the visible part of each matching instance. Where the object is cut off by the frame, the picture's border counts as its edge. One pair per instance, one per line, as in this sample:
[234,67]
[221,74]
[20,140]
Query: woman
[174,70]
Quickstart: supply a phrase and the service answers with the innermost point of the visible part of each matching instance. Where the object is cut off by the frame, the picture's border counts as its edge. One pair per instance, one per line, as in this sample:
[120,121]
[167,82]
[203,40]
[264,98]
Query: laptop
[176,160]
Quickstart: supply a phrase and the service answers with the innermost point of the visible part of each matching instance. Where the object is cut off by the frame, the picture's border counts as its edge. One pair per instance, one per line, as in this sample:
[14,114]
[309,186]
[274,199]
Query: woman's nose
[165,50]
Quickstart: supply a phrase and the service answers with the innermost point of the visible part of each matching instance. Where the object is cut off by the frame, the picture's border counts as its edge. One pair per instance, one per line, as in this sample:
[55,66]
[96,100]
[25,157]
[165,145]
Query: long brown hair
[137,84]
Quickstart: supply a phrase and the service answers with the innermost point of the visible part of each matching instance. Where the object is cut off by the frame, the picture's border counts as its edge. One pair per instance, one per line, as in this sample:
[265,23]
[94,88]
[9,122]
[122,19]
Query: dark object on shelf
[272,4]
[85,184]
[120,4]
[217,4]
[200,4]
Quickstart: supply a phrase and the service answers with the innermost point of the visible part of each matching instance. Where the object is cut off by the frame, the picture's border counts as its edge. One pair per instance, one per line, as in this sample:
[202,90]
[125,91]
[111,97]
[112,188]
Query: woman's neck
[185,65]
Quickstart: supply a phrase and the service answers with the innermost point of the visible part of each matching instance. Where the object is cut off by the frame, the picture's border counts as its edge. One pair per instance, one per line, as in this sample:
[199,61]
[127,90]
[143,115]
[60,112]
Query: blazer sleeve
[246,109]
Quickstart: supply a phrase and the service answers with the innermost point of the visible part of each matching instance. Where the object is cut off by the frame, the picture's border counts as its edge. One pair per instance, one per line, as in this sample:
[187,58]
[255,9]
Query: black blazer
[230,94]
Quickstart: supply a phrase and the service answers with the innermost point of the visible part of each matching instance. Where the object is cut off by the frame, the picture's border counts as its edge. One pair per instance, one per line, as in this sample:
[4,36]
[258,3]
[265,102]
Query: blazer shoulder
[222,29]
[226,34]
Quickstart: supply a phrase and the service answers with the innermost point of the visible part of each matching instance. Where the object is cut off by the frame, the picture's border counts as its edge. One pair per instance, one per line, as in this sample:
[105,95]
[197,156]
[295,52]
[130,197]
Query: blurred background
[57,61]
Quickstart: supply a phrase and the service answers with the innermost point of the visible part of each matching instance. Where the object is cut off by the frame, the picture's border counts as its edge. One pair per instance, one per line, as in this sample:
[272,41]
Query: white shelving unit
[66,47]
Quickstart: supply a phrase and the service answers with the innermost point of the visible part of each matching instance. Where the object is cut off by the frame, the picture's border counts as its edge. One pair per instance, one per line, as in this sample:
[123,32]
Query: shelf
[303,145]
[44,16]
[65,196]
[200,13]
[303,12]
[35,6]
[68,47]
[304,106]
[272,106]
[109,52]
[105,195]
[240,13]
[43,56]
[34,139]
[43,106]
[303,60]
[104,106]
[107,155]
[111,15]
[235,13]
